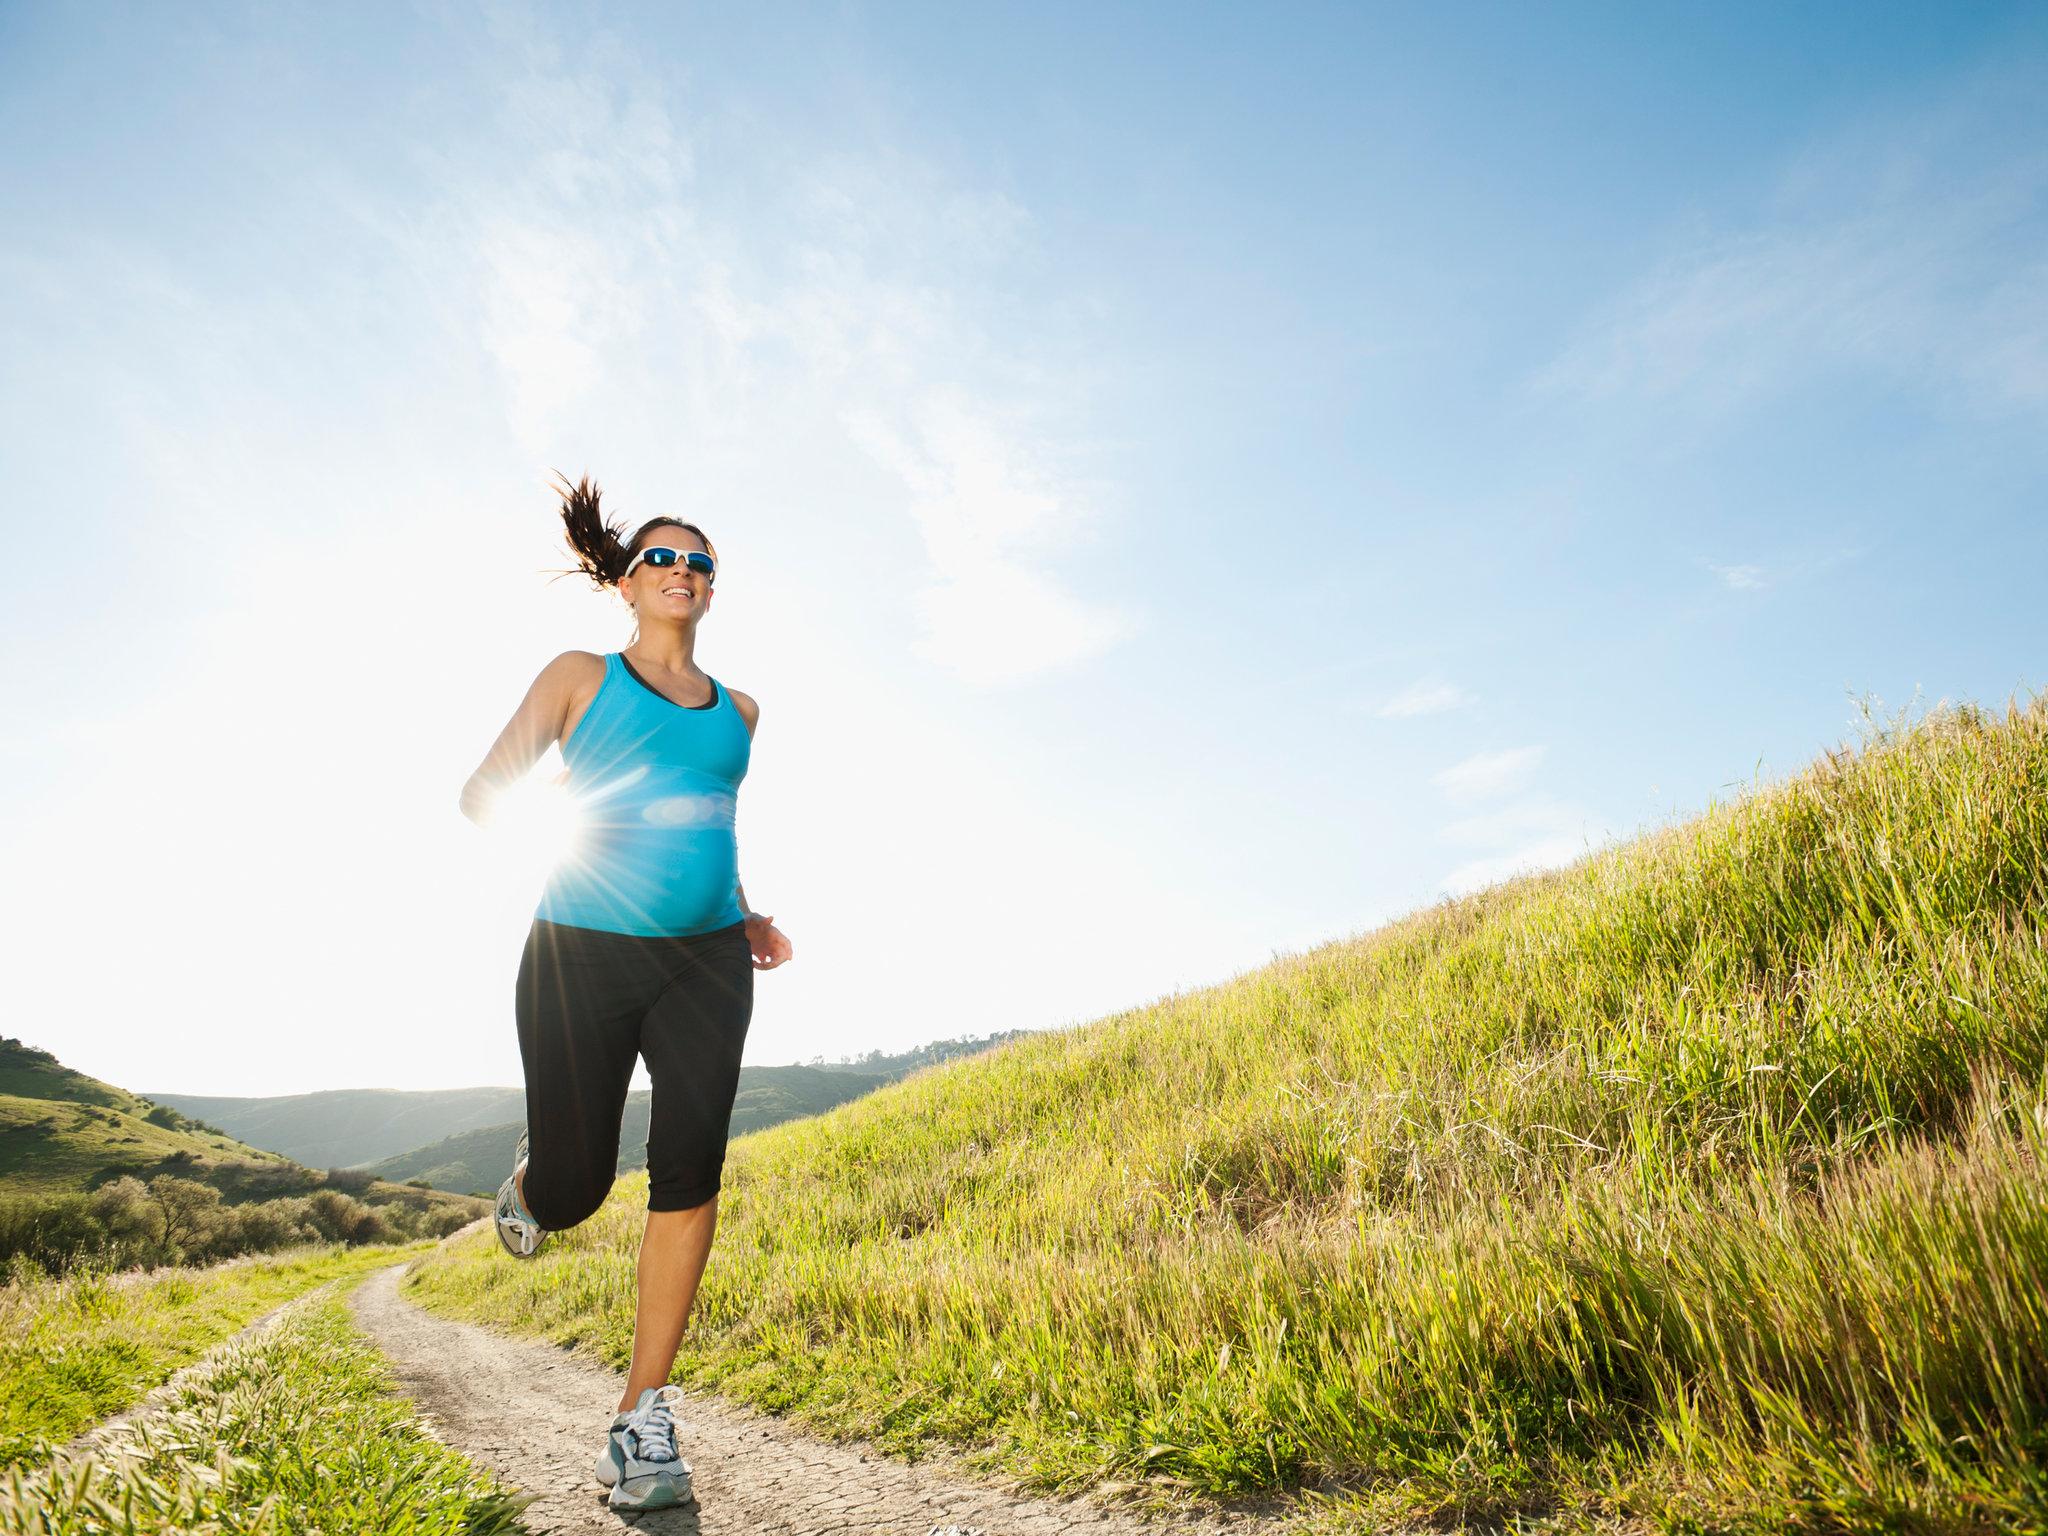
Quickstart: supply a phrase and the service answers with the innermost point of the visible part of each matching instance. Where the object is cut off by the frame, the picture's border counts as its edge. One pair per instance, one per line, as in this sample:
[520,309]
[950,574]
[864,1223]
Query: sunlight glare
[535,825]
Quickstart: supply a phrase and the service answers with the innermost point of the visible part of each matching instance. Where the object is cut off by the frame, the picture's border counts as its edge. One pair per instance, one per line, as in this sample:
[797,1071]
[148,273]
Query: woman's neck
[665,653]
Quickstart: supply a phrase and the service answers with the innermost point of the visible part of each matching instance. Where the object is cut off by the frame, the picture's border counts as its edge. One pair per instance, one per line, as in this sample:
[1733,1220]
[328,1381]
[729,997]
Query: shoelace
[654,1434]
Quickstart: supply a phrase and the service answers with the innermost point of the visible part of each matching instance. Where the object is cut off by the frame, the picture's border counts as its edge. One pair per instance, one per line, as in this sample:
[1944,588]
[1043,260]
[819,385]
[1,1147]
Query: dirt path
[536,1415]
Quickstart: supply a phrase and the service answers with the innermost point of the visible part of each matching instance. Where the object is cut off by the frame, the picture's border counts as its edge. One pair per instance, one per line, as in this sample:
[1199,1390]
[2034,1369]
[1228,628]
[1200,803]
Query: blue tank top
[656,784]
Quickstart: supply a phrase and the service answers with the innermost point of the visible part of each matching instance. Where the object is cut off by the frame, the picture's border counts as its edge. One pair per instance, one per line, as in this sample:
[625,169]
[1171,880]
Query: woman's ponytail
[601,554]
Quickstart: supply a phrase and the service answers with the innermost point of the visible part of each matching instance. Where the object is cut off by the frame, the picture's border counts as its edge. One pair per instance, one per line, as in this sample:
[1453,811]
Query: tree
[190,1211]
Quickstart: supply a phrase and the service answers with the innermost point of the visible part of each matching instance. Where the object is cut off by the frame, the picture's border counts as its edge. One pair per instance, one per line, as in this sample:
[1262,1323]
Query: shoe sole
[505,1238]
[665,1494]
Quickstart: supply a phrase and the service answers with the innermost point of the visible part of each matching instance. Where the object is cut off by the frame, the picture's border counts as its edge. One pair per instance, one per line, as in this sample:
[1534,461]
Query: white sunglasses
[661,557]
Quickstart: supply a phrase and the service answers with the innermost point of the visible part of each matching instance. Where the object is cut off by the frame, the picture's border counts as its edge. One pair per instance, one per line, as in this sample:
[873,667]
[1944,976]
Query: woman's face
[675,591]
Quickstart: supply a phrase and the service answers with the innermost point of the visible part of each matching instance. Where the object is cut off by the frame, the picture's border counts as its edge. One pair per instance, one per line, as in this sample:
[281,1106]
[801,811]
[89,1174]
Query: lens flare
[537,824]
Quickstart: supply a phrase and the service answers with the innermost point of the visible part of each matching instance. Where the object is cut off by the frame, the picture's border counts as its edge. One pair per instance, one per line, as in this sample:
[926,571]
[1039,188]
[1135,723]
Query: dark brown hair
[602,552]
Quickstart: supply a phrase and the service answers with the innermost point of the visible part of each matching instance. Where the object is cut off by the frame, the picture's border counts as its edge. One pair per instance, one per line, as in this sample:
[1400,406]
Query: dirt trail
[536,1414]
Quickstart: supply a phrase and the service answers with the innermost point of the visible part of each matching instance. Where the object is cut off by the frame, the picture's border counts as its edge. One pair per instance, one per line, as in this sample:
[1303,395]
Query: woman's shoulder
[750,711]
[573,675]
[576,666]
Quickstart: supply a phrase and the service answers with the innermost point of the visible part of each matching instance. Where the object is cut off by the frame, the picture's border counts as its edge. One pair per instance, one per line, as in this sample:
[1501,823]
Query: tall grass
[298,1431]
[1699,1185]
[78,1347]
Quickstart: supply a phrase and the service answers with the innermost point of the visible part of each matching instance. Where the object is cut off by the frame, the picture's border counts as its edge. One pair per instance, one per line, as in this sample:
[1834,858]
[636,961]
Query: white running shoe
[517,1230]
[640,1463]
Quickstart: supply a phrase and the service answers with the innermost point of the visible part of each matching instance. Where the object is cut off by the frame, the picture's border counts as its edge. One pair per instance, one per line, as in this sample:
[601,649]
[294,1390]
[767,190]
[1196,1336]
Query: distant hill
[62,1131]
[477,1161]
[461,1139]
[353,1127]
[903,1063]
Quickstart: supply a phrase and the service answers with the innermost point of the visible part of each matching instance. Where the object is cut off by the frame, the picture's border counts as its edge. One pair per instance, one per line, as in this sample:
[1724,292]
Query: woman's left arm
[769,944]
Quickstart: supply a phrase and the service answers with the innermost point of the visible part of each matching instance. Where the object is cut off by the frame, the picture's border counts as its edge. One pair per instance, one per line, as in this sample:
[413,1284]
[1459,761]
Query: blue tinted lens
[661,556]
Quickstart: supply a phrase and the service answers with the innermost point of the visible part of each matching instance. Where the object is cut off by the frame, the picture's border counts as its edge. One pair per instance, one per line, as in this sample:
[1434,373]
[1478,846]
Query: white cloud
[1546,853]
[1742,578]
[1429,696]
[1485,774]
[983,504]
[1530,833]
[616,264]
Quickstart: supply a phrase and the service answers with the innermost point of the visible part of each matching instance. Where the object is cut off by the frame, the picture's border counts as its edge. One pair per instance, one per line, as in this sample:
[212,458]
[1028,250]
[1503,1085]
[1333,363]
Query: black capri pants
[589,1002]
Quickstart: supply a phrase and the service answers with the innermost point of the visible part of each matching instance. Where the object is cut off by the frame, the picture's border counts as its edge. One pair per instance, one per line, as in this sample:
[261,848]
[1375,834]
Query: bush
[191,1214]
[128,1217]
[51,1231]
[345,1219]
[127,1224]
[264,1227]
[351,1181]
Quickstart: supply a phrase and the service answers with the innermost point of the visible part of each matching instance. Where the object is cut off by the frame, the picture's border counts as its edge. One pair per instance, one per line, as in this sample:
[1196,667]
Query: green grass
[299,1430]
[75,1350]
[1698,1187]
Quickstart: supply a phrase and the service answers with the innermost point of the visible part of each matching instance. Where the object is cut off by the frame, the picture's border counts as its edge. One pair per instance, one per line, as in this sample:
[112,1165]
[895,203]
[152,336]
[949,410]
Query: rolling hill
[354,1127]
[475,1161]
[461,1139]
[62,1131]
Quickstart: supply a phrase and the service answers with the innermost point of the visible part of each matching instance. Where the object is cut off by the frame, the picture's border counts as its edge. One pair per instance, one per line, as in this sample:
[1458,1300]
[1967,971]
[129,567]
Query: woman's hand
[768,942]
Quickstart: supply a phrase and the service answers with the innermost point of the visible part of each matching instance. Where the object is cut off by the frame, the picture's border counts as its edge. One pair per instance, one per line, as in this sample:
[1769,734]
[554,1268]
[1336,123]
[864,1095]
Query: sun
[537,824]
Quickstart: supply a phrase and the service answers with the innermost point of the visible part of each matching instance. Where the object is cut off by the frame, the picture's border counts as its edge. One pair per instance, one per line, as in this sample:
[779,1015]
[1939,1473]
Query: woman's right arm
[533,727]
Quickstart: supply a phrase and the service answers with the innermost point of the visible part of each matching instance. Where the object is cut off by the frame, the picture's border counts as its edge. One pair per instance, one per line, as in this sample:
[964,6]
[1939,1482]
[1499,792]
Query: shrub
[191,1214]
[343,1218]
[351,1181]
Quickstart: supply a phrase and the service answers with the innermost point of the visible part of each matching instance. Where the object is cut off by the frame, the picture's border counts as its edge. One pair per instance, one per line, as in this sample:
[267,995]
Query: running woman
[642,946]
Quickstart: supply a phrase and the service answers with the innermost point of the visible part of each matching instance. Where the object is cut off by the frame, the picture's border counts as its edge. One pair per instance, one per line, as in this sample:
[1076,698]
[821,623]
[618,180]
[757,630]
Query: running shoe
[517,1230]
[640,1463]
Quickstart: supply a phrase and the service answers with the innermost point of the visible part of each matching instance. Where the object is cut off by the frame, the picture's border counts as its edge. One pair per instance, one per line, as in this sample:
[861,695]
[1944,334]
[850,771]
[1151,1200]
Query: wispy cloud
[1486,774]
[1546,853]
[859,335]
[1912,252]
[1743,578]
[984,506]
[1532,832]
[1428,696]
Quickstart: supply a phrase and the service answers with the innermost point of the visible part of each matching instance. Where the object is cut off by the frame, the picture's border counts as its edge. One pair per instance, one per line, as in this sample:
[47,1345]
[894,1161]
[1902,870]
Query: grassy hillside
[63,1130]
[90,1136]
[53,1144]
[1702,1185]
[29,1073]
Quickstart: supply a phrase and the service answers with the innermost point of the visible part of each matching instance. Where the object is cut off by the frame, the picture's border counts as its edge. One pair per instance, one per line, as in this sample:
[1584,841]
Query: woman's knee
[557,1210]
[677,1199]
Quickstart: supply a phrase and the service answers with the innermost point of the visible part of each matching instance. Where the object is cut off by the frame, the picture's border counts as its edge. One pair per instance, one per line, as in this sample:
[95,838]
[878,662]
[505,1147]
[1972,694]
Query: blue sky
[1192,483]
